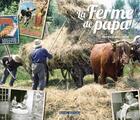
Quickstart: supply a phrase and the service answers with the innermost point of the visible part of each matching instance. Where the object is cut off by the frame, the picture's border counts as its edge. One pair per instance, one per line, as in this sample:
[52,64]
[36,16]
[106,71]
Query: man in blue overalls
[38,59]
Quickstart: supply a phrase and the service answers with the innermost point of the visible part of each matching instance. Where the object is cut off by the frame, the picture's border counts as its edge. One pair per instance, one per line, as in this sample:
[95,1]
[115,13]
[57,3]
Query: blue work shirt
[39,55]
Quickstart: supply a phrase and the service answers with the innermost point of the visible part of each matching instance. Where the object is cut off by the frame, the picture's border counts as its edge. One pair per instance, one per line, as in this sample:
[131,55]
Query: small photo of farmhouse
[21,104]
[9,30]
[125,105]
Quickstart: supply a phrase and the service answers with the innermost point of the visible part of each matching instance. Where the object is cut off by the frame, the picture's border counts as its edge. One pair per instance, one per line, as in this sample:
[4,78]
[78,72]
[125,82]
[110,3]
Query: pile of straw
[93,102]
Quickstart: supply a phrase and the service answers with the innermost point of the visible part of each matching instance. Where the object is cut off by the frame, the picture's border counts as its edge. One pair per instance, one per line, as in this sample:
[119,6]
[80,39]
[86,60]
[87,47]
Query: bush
[9,7]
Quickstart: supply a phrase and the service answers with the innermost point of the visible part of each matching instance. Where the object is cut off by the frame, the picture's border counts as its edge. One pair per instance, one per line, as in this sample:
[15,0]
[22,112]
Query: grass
[14,49]
[23,78]
[56,79]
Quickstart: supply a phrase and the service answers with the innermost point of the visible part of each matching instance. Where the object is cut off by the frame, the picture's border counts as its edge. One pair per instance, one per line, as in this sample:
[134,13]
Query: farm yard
[92,100]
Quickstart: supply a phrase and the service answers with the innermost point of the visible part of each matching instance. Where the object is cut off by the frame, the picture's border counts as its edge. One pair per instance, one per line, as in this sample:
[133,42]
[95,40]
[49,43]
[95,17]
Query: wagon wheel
[77,76]
[66,75]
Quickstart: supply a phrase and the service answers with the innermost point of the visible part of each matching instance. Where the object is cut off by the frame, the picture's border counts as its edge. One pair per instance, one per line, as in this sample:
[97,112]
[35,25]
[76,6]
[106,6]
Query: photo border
[133,90]
[44,92]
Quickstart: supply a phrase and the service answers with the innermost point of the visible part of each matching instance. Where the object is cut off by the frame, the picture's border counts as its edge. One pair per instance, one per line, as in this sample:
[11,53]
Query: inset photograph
[125,105]
[9,30]
[32,17]
[21,104]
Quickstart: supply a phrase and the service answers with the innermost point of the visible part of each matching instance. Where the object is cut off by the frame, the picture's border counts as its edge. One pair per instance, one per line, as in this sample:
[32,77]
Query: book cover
[93,73]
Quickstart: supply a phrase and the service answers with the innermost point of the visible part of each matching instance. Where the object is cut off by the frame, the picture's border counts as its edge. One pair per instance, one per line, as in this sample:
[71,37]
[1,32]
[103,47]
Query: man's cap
[17,58]
[37,43]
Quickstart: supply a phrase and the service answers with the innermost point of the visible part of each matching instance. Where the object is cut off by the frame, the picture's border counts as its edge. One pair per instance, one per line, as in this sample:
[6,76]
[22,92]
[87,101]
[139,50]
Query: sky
[27,5]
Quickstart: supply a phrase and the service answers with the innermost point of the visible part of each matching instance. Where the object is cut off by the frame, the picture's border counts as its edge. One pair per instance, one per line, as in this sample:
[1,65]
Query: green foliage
[119,4]
[23,40]
[56,18]
[51,28]
[53,8]
[12,9]
[2,50]
[134,4]
[56,22]
[8,7]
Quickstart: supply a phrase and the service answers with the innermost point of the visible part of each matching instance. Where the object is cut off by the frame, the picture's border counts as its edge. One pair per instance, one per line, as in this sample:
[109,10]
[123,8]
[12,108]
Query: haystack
[65,54]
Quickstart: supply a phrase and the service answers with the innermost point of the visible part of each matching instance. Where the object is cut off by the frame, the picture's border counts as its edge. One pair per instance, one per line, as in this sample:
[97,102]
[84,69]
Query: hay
[93,102]
[65,54]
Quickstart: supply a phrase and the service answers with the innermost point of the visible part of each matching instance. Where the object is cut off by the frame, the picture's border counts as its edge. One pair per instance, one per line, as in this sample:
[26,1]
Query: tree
[119,4]
[8,7]
[57,19]
[135,6]
[12,9]
[53,8]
